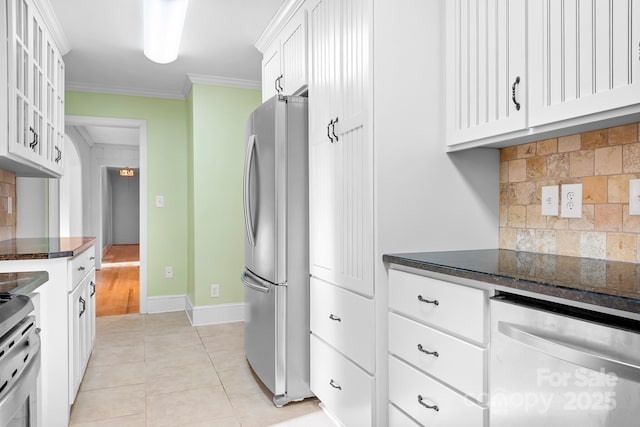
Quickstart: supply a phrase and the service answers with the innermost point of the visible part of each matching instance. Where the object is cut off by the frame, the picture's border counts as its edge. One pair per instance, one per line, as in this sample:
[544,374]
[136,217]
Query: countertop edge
[590,297]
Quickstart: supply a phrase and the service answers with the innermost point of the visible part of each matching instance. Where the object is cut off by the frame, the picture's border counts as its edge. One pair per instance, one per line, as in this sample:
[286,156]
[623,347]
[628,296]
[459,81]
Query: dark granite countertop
[43,248]
[22,283]
[603,283]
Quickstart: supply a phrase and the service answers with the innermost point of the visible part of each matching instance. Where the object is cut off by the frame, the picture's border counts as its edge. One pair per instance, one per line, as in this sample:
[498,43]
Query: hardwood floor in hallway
[118,281]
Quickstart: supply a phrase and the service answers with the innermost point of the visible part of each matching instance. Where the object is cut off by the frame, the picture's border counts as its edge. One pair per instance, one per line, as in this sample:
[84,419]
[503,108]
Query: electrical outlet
[549,200]
[168,272]
[571,201]
[634,197]
[214,290]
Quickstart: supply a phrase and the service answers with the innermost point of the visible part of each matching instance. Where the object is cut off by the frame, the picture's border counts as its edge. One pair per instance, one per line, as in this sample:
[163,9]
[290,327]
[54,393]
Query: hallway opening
[118,281]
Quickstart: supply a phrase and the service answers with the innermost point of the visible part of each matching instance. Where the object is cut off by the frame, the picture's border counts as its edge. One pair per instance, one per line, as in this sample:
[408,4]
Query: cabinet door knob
[336,318]
[421,401]
[329,131]
[334,385]
[513,93]
[333,129]
[426,301]
[432,353]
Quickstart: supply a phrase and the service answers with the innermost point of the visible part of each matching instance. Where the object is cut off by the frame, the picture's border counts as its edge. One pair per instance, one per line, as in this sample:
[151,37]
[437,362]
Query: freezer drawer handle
[334,385]
[336,318]
[434,302]
[421,401]
[571,352]
[255,286]
[432,353]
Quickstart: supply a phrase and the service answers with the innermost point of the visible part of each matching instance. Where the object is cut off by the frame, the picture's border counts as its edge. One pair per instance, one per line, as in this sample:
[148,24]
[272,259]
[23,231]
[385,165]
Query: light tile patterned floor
[158,370]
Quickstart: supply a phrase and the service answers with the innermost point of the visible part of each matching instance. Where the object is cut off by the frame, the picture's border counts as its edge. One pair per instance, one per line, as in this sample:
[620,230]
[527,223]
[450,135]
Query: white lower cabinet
[430,402]
[344,388]
[438,356]
[82,315]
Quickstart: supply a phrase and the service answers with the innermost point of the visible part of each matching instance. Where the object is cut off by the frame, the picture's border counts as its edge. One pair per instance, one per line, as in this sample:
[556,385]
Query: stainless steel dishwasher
[557,366]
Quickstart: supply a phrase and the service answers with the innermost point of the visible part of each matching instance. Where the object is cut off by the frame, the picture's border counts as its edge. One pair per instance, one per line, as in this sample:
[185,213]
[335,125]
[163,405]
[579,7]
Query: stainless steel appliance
[556,366]
[276,275]
[19,361]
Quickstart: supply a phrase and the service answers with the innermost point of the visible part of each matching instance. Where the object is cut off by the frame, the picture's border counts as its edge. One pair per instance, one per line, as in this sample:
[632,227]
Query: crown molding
[277,23]
[85,87]
[46,10]
[217,81]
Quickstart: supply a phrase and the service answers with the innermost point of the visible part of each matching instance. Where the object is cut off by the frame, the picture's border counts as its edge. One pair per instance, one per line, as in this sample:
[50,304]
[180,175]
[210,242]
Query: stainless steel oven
[556,366]
[19,362]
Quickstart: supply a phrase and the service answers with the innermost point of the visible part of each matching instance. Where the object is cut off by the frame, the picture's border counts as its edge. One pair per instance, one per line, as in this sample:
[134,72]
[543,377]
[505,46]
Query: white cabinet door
[78,304]
[323,93]
[294,54]
[486,68]
[341,155]
[91,315]
[583,58]
[271,72]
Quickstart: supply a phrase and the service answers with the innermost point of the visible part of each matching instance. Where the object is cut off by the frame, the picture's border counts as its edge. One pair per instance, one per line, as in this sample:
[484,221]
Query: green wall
[217,158]
[195,159]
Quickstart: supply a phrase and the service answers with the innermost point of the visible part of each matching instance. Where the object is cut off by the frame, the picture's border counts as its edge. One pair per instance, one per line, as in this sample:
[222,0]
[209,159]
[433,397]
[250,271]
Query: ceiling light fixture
[127,172]
[163,24]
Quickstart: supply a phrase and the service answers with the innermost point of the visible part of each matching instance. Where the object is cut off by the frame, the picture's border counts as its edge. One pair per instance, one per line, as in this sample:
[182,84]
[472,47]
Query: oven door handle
[570,352]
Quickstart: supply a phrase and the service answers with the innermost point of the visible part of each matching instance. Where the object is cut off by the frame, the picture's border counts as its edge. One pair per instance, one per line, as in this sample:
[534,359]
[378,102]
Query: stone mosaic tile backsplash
[7,220]
[603,161]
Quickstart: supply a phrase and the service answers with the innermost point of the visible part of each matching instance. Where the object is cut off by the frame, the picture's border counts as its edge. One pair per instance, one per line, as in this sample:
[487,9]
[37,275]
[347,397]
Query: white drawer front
[91,257]
[344,388]
[81,265]
[397,418]
[458,363]
[344,320]
[455,308]
[407,386]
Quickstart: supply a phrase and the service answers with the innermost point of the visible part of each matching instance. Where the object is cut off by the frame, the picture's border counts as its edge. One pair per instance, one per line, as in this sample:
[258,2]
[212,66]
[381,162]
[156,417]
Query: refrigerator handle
[248,224]
[246,279]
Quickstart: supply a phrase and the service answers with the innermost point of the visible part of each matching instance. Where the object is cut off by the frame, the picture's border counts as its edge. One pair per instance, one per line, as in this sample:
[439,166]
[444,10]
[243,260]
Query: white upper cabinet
[584,58]
[284,62]
[32,72]
[486,63]
[341,154]
[570,66]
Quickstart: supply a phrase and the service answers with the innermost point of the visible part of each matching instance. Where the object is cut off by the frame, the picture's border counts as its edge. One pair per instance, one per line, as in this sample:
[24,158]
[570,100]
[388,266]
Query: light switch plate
[571,201]
[159,201]
[550,200]
[634,197]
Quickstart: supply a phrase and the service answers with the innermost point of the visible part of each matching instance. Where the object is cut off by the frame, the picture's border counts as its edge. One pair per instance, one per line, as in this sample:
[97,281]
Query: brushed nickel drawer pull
[81,268]
[421,401]
[336,318]
[334,385]
[432,353]
[92,258]
[434,302]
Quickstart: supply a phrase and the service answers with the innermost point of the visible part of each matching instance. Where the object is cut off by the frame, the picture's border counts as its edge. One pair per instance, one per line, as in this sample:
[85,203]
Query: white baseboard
[166,303]
[211,314]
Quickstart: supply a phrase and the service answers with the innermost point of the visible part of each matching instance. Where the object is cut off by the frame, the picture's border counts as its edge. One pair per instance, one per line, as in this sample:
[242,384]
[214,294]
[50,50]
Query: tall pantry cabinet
[380,182]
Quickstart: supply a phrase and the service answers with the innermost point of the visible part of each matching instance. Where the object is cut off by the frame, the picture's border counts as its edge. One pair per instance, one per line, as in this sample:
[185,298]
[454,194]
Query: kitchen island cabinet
[59,258]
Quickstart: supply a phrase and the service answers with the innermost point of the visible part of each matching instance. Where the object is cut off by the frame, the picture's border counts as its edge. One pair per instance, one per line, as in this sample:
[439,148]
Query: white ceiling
[106,39]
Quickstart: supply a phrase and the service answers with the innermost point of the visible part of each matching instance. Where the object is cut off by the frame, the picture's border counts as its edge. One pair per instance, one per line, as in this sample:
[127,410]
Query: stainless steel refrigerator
[276,276]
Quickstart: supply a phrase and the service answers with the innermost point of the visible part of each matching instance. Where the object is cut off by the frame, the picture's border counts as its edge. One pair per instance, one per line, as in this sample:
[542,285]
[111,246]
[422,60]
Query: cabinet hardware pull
[434,302]
[84,306]
[513,93]
[93,290]
[421,401]
[33,143]
[333,129]
[59,156]
[81,268]
[334,385]
[275,84]
[329,131]
[433,353]
[336,318]
[280,81]
[92,258]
